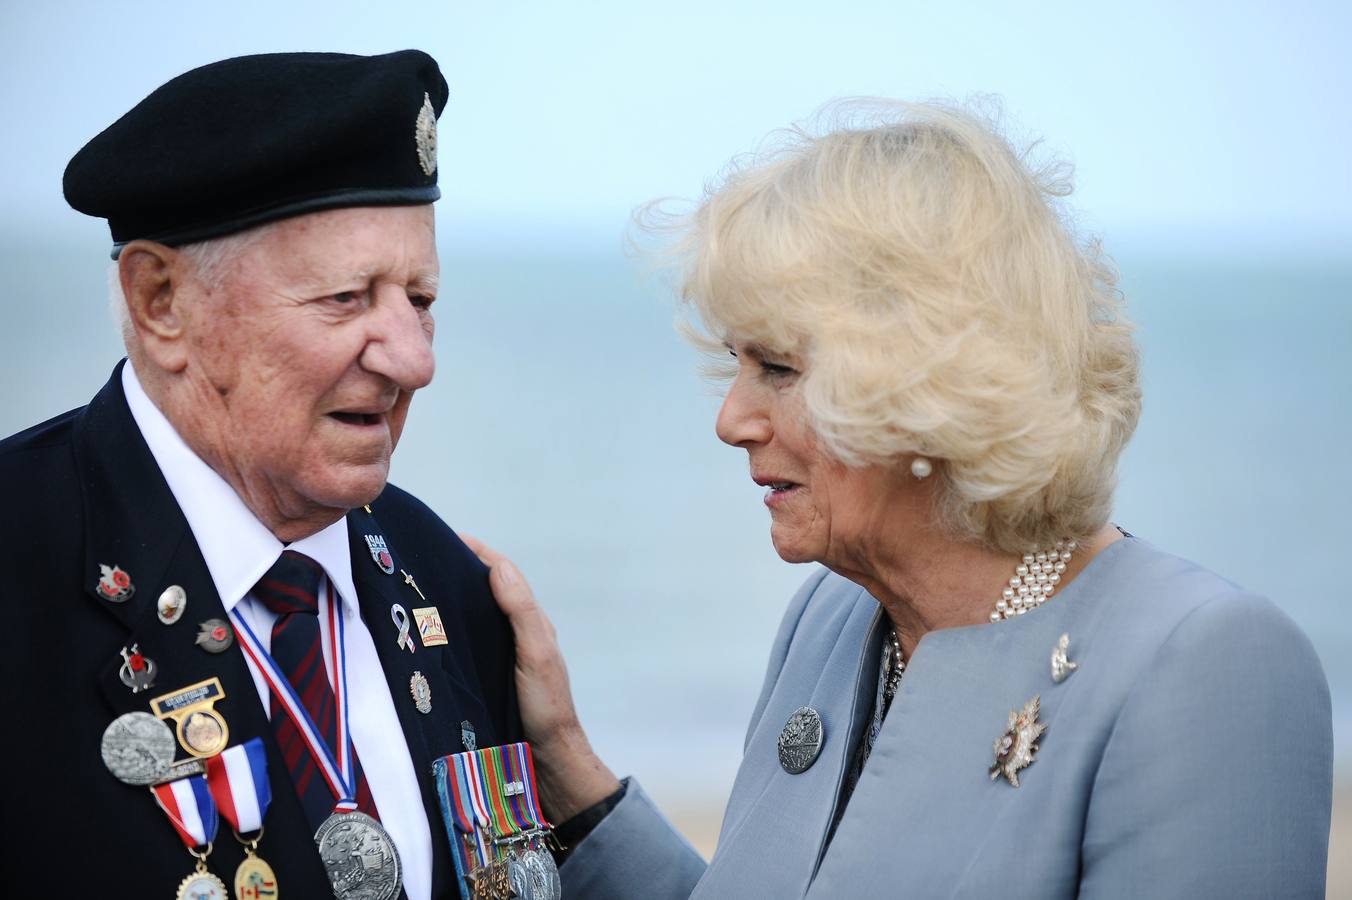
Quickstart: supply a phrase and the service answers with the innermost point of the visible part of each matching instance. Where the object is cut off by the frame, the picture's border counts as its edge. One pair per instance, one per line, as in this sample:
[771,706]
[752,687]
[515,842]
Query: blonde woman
[987,690]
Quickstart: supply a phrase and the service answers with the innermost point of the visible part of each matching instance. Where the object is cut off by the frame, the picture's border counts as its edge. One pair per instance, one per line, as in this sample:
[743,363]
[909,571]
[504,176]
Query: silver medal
[359,856]
[518,880]
[138,748]
[543,874]
[800,742]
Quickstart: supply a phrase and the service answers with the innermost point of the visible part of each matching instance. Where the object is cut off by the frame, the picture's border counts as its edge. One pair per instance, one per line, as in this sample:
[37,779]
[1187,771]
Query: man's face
[303,361]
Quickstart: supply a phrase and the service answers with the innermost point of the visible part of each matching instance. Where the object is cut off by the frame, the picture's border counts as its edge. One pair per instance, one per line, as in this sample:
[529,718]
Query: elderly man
[213,594]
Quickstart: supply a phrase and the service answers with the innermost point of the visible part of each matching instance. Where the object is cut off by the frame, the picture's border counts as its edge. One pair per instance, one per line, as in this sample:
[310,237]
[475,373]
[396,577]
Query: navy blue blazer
[82,490]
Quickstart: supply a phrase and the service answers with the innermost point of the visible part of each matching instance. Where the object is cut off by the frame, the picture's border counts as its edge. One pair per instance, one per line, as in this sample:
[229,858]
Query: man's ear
[153,284]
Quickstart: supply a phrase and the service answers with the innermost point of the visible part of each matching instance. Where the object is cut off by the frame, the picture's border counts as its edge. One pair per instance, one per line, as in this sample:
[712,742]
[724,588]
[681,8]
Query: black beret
[253,139]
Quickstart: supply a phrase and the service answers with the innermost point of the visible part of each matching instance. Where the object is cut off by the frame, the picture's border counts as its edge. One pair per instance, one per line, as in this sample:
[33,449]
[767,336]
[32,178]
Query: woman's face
[820,509]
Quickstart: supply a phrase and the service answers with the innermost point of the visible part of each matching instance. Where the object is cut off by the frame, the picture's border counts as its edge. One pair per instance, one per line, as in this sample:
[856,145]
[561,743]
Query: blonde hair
[927,275]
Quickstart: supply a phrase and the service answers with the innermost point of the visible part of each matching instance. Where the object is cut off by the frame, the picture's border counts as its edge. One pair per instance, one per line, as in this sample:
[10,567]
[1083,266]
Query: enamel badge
[467,736]
[214,636]
[200,729]
[1015,748]
[114,584]
[171,604]
[137,670]
[430,629]
[380,553]
[421,691]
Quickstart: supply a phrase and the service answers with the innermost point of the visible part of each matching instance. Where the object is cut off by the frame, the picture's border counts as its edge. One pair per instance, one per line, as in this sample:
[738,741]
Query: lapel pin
[114,584]
[430,629]
[1015,748]
[421,691]
[367,507]
[380,553]
[408,580]
[200,729]
[137,671]
[800,743]
[1062,666]
[171,604]
[400,617]
[214,636]
[467,735]
[137,748]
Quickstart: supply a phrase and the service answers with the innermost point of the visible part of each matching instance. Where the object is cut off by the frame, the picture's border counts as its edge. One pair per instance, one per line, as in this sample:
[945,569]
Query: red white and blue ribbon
[189,805]
[525,765]
[336,768]
[238,779]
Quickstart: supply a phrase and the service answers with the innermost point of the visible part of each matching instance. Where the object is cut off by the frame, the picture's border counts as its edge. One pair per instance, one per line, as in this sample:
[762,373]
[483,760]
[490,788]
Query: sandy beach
[701,829]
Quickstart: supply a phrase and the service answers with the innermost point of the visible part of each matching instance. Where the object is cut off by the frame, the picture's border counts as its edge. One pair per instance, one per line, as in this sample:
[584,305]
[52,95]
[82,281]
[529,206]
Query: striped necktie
[291,590]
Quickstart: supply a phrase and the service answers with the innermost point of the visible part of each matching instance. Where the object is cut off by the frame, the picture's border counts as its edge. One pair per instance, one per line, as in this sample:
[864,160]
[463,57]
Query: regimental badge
[430,629]
[1015,748]
[137,670]
[425,136]
[114,584]
[380,553]
[171,604]
[421,691]
[200,729]
[800,742]
[214,636]
[467,736]
[1062,665]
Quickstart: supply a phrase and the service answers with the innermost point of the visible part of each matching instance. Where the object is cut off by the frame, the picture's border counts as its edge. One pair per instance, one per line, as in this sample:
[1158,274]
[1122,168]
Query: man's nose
[742,421]
[400,344]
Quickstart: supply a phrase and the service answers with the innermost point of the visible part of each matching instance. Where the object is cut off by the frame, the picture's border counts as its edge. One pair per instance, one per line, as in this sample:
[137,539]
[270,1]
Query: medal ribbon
[490,776]
[473,805]
[505,763]
[238,779]
[337,771]
[189,805]
[526,766]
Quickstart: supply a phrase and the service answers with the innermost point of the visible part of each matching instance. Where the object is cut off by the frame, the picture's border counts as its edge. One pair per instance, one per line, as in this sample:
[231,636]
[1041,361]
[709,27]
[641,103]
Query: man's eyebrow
[427,282]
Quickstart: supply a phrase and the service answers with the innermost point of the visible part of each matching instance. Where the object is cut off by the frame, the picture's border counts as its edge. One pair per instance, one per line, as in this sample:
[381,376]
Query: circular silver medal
[544,874]
[518,880]
[138,748]
[800,742]
[359,856]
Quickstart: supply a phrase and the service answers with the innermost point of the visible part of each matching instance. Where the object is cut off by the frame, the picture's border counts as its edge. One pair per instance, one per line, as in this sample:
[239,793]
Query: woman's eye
[775,370]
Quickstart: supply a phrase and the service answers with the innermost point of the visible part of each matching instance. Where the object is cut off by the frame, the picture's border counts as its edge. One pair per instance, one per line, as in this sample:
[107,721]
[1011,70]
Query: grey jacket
[1189,756]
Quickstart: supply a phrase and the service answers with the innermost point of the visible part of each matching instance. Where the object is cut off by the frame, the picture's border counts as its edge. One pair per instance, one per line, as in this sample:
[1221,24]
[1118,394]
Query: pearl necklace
[1034,580]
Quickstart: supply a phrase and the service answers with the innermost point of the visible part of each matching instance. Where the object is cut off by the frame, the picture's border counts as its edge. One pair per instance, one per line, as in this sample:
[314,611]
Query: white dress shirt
[238,550]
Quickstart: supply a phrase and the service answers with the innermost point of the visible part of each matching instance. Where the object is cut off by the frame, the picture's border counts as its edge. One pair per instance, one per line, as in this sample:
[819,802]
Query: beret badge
[425,136]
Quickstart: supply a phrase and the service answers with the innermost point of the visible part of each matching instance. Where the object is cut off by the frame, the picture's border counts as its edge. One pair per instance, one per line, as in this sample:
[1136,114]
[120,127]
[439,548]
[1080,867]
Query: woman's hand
[572,777]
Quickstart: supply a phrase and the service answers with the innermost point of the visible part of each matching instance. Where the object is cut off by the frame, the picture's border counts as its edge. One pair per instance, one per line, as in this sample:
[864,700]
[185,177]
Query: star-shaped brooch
[1015,748]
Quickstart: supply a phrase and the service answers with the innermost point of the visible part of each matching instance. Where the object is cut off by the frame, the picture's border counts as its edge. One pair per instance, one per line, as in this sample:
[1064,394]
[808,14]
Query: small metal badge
[425,136]
[137,671]
[171,604]
[137,748]
[800,743]
[401,621]
[1015,748]
[1062,666]
[380,553]
[467,735]
[200,729]
[114,584]
[430,629]
[421,691]
[214,636]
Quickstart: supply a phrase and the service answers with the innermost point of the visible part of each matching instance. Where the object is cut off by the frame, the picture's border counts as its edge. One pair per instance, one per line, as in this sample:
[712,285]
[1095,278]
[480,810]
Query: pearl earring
[921,468]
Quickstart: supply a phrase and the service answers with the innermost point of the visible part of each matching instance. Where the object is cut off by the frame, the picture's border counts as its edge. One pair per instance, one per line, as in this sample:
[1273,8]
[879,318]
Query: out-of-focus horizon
[567,423]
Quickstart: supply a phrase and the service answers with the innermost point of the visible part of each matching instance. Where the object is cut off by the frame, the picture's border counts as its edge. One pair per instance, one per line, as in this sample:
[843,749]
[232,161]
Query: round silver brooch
[800,743]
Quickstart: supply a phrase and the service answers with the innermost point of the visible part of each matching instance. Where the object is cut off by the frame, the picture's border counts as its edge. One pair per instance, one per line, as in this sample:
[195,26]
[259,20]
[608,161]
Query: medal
[171,604]
[214,636]
[201,730]
[238,779]
[192,811]
[138,748]
[359,857]
[358,854]
[430,629]
[137,672]
[800,742]
[114,584]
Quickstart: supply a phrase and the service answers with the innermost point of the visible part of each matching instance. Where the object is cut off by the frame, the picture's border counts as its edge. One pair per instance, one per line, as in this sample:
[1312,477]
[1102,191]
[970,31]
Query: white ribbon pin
[400,617]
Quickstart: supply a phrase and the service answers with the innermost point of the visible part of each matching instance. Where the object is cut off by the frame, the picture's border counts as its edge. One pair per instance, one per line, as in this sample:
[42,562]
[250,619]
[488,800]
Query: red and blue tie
[291,590]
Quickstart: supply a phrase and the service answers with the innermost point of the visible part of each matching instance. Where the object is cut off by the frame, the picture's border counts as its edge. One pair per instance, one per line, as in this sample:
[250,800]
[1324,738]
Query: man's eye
[421,301]
[345,297]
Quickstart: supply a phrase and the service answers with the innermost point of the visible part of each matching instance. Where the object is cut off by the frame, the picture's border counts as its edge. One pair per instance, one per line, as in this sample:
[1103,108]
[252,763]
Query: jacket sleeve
[635,851]
[1216,780]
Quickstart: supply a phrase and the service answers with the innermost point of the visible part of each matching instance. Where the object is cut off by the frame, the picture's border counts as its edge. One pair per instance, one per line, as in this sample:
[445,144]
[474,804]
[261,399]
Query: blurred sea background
[568,425]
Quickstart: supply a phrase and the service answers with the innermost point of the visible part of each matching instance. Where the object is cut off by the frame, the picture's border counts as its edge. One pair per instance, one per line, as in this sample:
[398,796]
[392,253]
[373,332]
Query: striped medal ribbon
[192,811]
[238,779]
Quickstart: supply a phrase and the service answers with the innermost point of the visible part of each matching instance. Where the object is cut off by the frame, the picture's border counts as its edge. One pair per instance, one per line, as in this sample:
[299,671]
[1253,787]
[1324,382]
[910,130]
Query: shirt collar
[237,547]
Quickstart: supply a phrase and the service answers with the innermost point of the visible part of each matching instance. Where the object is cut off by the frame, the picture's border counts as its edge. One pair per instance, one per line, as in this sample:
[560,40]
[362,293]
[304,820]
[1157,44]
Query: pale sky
[1195,124]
